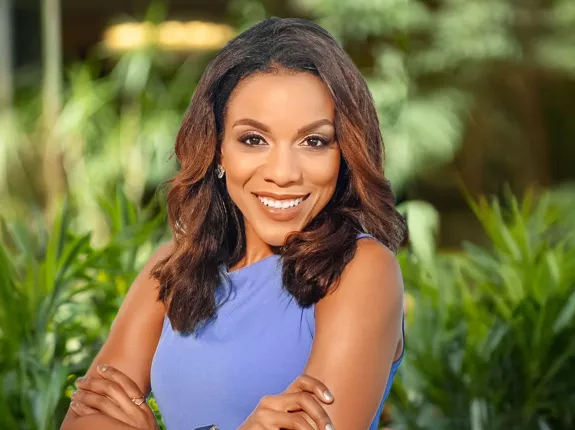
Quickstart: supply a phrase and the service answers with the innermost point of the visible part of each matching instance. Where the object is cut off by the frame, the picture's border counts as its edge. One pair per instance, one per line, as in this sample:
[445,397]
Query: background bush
[489,332]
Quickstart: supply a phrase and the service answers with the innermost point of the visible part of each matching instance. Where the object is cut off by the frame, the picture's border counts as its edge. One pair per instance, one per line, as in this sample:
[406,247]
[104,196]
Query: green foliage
[489,335]
[422,128]
[59,296]
[117,128]
[427,63]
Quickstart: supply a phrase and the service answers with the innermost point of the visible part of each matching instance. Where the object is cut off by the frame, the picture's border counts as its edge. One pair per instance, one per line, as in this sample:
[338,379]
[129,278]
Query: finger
[272,419]
[285,420]
[82,410]
[107,388]
[113,374]
[100,403]
[311,385]
[305,402]
[306,417]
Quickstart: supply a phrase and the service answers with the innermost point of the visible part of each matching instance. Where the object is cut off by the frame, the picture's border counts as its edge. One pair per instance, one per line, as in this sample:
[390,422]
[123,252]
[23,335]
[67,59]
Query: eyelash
[323,142]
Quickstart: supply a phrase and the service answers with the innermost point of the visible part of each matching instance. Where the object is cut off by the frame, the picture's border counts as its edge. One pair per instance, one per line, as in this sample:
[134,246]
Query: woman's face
[279,152]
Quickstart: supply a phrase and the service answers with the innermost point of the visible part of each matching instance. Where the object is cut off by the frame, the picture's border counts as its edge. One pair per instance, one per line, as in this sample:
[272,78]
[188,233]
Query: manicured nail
[329,427]
[102,367]
[74,404]
[329,397]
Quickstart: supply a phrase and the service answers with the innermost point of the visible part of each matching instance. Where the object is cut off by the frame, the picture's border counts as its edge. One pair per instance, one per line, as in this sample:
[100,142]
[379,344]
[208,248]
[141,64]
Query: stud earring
[220,171]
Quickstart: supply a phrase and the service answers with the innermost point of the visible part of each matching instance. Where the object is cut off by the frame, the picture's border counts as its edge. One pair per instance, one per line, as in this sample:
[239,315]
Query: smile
[281,204]
[281,208]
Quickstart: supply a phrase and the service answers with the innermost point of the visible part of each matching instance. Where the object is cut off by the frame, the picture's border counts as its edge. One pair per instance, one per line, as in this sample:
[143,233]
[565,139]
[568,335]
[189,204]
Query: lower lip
[278,214]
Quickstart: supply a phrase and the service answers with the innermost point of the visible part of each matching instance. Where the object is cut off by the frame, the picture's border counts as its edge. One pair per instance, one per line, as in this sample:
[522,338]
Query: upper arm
[135,332]
[358,334]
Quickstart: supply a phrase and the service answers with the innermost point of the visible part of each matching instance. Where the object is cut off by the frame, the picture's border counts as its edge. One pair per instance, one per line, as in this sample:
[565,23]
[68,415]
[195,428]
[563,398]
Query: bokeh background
[476,101]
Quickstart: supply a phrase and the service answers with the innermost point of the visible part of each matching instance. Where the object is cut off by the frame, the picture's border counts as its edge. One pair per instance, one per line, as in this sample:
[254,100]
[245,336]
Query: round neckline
[254,264]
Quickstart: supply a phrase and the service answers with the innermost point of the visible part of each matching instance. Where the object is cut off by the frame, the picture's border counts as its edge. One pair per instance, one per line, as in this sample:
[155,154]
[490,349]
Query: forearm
[93,422]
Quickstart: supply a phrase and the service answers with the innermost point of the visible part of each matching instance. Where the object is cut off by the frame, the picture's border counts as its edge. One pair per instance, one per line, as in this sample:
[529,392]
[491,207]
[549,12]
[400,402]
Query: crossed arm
[357,337]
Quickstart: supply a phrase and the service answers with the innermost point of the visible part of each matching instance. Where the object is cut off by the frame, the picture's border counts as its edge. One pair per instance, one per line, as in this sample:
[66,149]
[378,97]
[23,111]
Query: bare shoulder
[370,251]
[368,294]
[164,249]
[144,289]
[374,270]
[160,253]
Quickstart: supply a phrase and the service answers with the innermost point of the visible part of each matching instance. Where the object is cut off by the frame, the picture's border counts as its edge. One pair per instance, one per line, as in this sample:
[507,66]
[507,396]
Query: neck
[256,248]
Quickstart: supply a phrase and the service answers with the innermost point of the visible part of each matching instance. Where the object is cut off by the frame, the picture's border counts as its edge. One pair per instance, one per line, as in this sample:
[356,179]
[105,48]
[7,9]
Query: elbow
[71,423]
[93,422]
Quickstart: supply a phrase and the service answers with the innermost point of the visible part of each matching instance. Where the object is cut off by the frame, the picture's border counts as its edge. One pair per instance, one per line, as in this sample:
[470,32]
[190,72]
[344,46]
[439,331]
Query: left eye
[252,140]
[315,141]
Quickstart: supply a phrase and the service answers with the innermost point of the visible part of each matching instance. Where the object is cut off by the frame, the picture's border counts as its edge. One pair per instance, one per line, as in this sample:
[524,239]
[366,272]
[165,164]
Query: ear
[220,157]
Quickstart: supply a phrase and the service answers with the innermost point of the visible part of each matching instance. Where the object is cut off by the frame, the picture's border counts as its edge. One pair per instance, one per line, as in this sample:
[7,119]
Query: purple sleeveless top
[257,345]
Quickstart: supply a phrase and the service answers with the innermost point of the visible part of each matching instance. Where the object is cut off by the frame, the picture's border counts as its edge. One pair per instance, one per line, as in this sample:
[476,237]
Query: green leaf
[566,316]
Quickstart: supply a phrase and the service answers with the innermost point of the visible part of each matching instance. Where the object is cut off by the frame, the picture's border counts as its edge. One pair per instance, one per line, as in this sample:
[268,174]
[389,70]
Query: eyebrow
[266,129]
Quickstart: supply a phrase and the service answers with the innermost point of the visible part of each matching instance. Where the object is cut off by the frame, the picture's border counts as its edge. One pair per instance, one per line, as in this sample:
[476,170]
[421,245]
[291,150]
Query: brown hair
[208,228]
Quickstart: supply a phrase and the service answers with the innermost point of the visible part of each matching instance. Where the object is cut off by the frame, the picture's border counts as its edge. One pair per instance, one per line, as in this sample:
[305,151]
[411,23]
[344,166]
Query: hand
[280,412]
[112,394]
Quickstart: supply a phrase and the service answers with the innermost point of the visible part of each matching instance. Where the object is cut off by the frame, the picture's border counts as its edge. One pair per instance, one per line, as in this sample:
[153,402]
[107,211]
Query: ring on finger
[138,400]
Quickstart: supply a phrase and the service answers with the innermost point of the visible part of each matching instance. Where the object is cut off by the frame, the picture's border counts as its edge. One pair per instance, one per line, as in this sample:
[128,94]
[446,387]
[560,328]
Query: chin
[275,236]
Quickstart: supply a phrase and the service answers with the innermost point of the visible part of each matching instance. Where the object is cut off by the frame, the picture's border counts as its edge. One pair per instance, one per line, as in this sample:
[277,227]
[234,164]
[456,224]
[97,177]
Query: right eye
[252,140]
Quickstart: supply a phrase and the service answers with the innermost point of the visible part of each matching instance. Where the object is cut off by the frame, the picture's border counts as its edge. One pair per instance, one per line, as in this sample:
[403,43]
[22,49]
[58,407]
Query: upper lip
[280,196]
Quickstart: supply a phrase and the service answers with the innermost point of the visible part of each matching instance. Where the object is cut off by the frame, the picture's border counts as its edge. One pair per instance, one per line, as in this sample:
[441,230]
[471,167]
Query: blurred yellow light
[200,34]
[129,36]
[172,35]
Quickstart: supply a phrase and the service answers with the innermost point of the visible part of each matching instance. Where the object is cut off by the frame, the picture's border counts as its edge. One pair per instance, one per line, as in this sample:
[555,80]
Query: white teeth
[280,204]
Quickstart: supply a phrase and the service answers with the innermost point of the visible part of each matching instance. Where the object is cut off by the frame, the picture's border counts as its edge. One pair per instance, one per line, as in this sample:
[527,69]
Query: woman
[271,290]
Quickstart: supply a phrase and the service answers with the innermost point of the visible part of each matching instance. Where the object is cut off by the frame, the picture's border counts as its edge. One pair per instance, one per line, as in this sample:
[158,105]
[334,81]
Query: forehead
[272,96]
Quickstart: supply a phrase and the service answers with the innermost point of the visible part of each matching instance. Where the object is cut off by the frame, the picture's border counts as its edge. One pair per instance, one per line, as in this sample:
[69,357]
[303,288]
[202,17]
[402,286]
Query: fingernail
[329,397]
[74,394]
[329,427]
[74,404]
[81,379]
[102,367]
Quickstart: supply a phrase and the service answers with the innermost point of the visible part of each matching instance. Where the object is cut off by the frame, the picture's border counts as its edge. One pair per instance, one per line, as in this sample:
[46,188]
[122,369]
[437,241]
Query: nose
[282,166]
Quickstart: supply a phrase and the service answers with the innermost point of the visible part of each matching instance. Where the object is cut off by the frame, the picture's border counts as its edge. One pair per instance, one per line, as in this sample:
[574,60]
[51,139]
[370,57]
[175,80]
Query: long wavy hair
[208,228]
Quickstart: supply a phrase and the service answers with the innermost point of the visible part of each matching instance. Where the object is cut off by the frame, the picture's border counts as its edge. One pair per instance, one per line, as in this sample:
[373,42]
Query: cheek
[238,174]
[323,172]
[236,178]
[239,165]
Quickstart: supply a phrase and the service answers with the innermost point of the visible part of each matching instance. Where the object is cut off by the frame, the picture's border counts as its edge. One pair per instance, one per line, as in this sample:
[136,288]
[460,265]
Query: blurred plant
[489,336]
[428,63]
[59,296]
[119,127]
[422,127]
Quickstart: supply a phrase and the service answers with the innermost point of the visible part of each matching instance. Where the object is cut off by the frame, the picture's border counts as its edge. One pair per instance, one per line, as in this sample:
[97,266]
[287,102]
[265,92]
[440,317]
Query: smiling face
[279,152]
